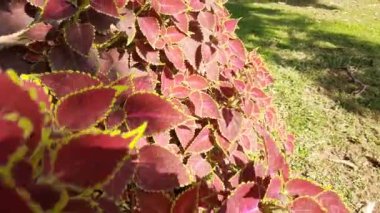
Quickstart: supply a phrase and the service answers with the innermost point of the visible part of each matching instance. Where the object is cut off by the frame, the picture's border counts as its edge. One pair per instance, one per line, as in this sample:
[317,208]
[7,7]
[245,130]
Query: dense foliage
[142,106]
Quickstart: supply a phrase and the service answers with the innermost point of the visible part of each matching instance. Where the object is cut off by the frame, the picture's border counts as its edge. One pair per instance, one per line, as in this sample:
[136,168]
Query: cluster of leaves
[98,76]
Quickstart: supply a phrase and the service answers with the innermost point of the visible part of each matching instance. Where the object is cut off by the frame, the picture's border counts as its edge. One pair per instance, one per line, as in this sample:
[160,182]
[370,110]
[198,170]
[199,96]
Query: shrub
[146,106]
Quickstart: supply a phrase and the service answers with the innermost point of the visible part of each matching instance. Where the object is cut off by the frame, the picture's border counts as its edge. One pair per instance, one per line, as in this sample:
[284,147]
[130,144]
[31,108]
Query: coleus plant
[140,106]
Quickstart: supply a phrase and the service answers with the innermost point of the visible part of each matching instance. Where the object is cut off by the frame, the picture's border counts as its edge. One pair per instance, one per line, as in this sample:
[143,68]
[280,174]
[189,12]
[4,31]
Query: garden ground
[325,57]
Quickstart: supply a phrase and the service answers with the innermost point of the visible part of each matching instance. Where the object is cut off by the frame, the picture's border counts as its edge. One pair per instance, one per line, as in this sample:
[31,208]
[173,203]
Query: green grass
[322,54]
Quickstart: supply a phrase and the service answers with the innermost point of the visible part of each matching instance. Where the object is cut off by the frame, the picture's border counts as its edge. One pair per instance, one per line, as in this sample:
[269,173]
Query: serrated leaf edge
[61,100]
[197,185]
[71,47]
[191,178]
[311,198]
[36,77]
[188,118]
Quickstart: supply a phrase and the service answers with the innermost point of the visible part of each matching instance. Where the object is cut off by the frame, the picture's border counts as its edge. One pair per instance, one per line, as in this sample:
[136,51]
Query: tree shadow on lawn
[299,3]
[345,67]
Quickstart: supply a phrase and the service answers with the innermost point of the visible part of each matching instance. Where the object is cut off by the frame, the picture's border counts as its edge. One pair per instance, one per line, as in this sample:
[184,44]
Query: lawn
[325,57]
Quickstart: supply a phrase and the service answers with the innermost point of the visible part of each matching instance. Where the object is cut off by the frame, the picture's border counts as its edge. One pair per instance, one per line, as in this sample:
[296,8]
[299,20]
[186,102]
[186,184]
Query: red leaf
[58,9]
[62,83]
[161,40]
[237,48]
[243,199]
[162,138]
[285,171]
[274,188]
[22,173]
[150,28]
[180,92]
[108,60]
[167,81]
[256,173]
[11,138]
[173,35]
[32,57]
[238,158]
[84,109]
[20,102]
[198,166]
[196,5]
[222,56]
[234,180]
[289,144]
[38,3]
[121,3]
[79,205]
[306,204]
[209,53]
[41,95]
[252,172]
[276,160]
[179,78]
[201,142]
[78,161]
[231,123]
[147,53]
[158,112]
[197,82]
[14,18]
[236,63]
[210,191]
[146,82]
[192,52]
[38,47]
[115,118]
[115,186]
[169,7]
[38,31]
[240,85]
[160,170]
[173,148]
[108,205]
[175,56]
[300,187]
[207,20]
[187,201]
[186,132]
[231,25]
[181,20]
[12,201]
[153,202]
[101,22]
[127,24]
[45,195]
[331,201]
[63,58]
[258,93]
[250,108]
[248,141]
[13,58]
[106,7]
[223,143]
[205,105]
[80,37]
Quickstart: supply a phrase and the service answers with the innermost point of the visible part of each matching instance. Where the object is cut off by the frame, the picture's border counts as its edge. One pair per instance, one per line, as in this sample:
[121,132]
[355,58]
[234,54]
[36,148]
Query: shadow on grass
[345,67]
[300,3]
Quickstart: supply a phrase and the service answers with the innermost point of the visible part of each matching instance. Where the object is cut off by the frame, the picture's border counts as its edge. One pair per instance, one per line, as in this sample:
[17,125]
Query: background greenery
[325,57]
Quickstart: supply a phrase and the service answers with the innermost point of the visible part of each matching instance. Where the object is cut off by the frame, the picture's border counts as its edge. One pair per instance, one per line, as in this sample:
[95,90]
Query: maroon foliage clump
[140,106]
